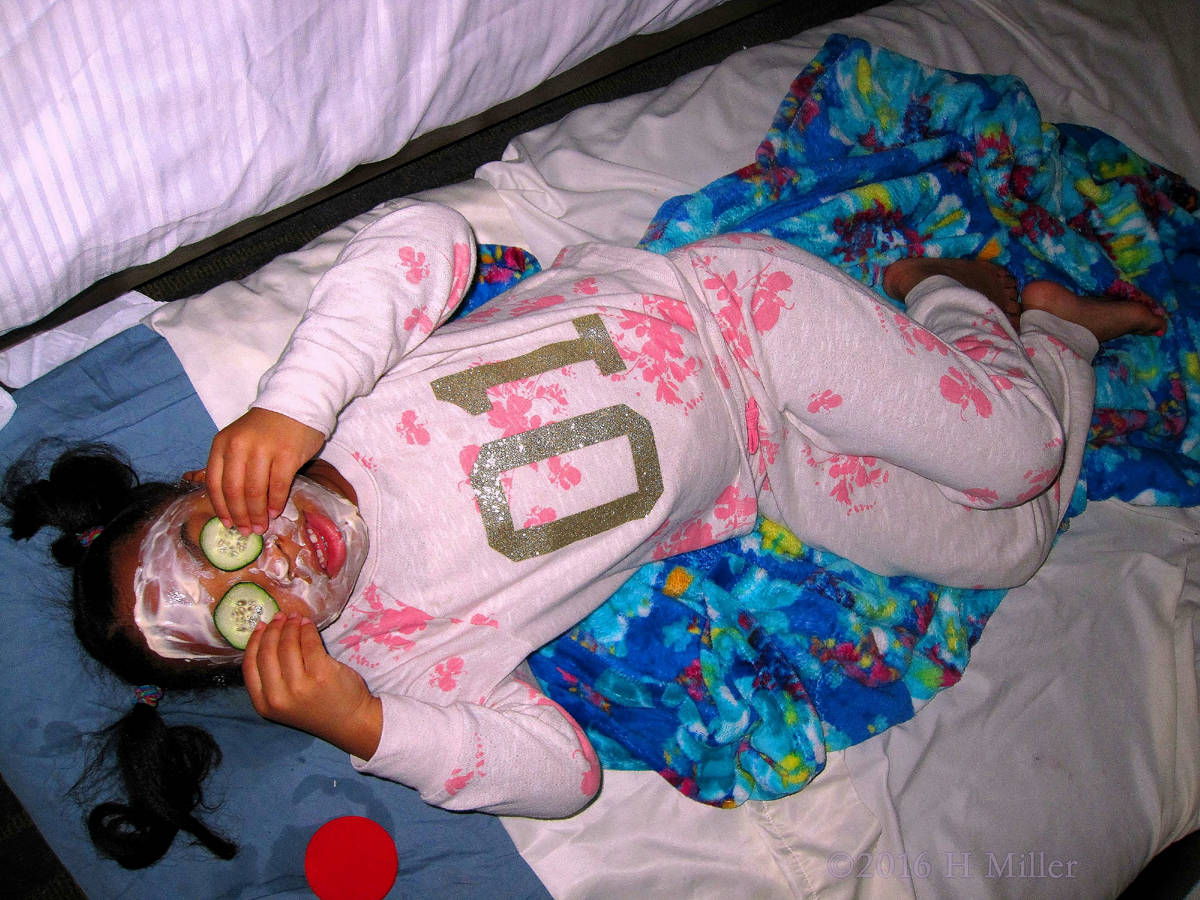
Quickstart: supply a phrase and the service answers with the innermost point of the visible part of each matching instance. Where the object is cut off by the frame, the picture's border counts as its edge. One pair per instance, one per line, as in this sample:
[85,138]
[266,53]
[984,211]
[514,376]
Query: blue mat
[276,786]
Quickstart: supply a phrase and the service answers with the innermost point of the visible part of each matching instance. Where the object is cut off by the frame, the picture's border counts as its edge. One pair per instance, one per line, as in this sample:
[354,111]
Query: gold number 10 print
[468,390]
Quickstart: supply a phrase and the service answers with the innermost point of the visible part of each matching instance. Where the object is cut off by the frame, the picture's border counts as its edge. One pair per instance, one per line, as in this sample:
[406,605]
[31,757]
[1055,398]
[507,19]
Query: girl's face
[311,557]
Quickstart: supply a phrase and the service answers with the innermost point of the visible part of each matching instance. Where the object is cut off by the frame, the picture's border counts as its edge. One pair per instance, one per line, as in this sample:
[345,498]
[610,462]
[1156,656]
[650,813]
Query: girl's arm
[514,752]
[293,681]
[394,282]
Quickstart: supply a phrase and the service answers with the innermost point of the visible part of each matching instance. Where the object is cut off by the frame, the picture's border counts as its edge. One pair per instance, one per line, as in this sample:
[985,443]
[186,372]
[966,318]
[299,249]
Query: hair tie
[90,535]
[149,694]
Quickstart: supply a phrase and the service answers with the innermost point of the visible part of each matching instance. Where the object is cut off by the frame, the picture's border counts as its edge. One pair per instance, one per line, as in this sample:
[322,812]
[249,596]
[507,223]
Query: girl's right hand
[291,679]
[252,464]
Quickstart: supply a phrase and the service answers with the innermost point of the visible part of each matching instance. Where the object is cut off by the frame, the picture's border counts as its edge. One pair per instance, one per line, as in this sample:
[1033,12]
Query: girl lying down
[471,492]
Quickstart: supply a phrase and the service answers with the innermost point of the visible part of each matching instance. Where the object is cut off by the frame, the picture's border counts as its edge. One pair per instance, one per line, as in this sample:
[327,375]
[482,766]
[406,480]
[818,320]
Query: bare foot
[991,280]
[1105,318]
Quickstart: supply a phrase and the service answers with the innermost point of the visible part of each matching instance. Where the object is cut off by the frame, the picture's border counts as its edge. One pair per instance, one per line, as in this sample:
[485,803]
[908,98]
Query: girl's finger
[213,480]
[250,673]
[232,490]
[258,477]
[279,488]
[311,647]
[268,661]
[291,660]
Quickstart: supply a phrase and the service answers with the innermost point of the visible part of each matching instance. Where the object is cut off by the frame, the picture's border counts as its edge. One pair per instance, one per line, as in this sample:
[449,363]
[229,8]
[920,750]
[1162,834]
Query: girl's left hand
[251,466]
[292,680]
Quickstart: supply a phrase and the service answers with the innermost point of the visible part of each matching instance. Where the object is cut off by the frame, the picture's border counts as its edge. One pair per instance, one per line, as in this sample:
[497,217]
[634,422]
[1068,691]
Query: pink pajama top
[513,467]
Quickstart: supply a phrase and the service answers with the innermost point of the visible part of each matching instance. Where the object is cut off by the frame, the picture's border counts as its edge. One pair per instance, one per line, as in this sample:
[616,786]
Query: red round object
[351,858]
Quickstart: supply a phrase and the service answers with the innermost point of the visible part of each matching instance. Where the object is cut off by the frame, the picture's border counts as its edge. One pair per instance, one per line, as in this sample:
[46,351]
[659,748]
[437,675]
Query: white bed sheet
[1047,746]
[1075,734]
[1126,67]
[127,130]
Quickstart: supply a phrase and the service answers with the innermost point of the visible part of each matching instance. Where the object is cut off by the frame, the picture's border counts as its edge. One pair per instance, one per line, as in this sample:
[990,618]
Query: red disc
[351,858]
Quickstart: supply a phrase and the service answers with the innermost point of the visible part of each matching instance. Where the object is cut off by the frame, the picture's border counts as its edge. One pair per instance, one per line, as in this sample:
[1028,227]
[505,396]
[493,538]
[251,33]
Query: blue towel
[732,670]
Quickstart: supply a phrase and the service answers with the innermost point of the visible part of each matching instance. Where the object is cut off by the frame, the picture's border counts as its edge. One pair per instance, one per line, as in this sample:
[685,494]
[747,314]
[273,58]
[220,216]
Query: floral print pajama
[517,465]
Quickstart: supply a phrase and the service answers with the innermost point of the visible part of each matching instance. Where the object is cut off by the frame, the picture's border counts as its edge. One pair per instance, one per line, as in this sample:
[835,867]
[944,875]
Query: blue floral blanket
[732,670]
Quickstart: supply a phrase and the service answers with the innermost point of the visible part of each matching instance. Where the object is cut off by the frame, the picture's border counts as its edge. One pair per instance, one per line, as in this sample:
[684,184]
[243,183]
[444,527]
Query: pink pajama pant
[938,443]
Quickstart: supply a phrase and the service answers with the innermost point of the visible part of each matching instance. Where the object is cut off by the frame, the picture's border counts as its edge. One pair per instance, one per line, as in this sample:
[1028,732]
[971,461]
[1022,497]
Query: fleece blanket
[733,670]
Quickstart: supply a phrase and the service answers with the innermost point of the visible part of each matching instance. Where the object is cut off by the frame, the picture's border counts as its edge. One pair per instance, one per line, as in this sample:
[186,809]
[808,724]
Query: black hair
[161,767]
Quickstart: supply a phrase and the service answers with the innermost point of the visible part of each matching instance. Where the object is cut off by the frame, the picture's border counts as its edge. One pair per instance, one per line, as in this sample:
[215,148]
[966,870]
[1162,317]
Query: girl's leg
[946,391]
[892,521]
[899,437]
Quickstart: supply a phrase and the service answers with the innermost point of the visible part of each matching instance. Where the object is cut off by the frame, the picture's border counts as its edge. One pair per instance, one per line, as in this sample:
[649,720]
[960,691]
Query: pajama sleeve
[394,282]
[514,753]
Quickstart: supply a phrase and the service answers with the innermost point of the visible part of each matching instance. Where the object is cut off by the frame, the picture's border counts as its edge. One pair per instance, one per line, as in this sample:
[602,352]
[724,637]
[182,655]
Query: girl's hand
[293,681]
[251,466]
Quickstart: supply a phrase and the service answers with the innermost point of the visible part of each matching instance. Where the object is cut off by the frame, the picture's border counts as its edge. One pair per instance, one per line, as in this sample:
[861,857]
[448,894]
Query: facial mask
[173,608]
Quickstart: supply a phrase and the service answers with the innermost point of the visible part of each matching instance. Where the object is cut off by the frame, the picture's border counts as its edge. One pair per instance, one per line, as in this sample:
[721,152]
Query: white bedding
[127,130]
[1075,734]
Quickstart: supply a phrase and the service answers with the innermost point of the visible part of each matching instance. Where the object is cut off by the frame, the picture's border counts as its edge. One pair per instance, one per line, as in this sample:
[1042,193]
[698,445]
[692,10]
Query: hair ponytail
[161,767]
[87,486]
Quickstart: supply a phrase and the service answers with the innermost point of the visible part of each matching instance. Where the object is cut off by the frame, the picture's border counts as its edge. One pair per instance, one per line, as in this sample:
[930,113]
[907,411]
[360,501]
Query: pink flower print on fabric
[418,319]
[467,456]
[540,515]
[386,627]
[766,458]
[736,510]
[562,473]
[961,389]
[752,426]
[669,309]
[413,260]
[485,620]
[590,783]
[446,674]
[1039,480]
[414,432]
[693,535]
[825,400]
[533,304]
[767,302]
[652,348]
[982,497]
[729,316]
[367,462]
[990,325]
[978,349]
[1062,347]
[464,261]
[1005,382]
[850,475]
[484,313]
[914,335]
[460,778]
[881,314]
[758,438]
[513,403]
[586,286]
[722,373]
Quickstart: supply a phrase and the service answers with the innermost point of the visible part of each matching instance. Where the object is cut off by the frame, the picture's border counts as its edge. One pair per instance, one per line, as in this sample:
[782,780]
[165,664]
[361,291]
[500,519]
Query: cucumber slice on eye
[227,548]
[243,606]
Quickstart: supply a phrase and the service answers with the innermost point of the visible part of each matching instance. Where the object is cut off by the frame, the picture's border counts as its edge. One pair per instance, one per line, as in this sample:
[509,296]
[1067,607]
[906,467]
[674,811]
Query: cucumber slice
[227,548]
[243,606]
